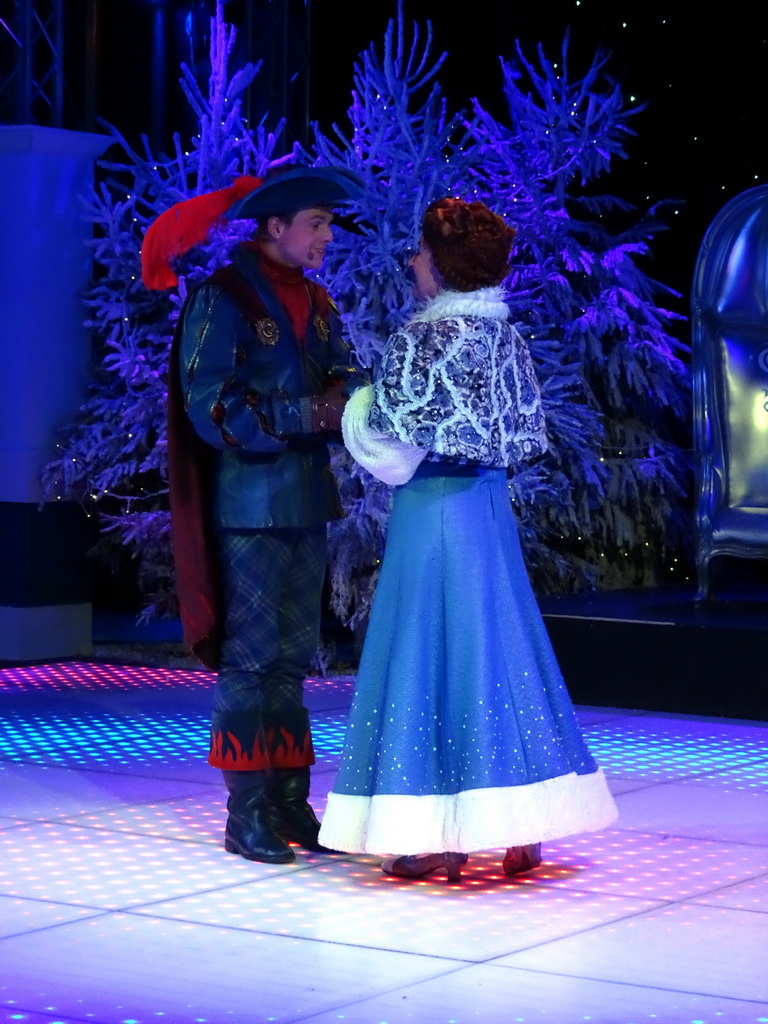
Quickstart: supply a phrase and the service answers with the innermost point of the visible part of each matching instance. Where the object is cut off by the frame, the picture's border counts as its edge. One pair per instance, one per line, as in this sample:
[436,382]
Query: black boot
[290,813]
[248,830]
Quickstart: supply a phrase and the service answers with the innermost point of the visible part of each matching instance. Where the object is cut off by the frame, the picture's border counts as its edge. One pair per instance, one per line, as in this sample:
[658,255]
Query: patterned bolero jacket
[456,383]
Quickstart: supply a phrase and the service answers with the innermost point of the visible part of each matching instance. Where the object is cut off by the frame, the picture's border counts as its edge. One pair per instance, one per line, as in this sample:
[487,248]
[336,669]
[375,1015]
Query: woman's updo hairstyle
[470,245]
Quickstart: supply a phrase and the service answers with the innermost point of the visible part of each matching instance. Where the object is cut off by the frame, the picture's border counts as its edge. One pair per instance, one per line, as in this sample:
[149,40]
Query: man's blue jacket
[247,383]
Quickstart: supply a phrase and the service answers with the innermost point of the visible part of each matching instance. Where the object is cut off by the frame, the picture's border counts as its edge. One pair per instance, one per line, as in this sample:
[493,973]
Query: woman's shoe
[424,864]
[519,859]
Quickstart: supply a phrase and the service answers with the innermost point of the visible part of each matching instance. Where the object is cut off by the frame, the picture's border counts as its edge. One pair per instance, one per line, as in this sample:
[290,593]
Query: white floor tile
[618,785]
[649,865]
[195,770]
[667,749]
[111,870]
[356,904]
[495,995]
[69,677]
[749,895]
[701,725]
[328,728]
[750,777]
[19,915]
[18,1016]
[99,736]
[34,792]
[166,744]
[703,950]
[121,967]
[199,819]
[706,812]
[662,919]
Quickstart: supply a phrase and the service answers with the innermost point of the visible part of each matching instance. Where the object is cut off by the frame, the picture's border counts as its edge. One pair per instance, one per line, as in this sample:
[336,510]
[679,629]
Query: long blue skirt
[461,735]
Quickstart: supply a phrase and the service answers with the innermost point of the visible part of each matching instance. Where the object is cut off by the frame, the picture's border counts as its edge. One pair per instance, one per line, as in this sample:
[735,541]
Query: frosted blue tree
[409,150]
[605,505]
[113,458]
[608,502]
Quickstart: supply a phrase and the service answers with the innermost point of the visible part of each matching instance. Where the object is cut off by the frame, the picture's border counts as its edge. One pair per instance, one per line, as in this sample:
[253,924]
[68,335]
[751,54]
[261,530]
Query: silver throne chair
[730,385]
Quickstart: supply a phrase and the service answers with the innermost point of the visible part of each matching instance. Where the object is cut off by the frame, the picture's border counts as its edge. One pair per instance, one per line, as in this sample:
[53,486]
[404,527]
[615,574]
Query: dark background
[701,70]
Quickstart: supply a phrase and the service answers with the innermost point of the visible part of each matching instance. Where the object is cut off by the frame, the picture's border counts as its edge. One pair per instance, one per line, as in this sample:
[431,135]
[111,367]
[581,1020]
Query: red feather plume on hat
[183,226]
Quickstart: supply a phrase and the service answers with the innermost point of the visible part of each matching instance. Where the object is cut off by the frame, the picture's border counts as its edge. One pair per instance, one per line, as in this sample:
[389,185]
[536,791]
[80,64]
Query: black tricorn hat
[297,189]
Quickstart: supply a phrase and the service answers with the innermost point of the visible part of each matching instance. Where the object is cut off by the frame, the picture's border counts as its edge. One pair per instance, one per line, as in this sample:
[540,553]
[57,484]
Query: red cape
[190,473]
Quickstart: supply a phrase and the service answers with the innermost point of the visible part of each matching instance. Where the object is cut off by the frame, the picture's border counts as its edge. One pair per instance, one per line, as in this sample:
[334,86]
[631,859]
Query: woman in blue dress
[461,736]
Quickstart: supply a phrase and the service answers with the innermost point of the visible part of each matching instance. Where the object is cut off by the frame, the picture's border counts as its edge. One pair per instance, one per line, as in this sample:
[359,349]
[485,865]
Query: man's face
[301,243]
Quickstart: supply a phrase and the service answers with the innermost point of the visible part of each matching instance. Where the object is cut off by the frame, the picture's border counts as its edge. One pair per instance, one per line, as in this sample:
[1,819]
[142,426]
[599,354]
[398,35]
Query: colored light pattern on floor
[119,906]
[76,675]
[749,777]
[193,819]
[626,750]
[102,738]
[97,676]
[148,735]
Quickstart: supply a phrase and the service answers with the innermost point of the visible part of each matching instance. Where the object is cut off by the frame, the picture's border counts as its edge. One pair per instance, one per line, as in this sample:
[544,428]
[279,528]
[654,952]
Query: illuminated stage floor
[118,904]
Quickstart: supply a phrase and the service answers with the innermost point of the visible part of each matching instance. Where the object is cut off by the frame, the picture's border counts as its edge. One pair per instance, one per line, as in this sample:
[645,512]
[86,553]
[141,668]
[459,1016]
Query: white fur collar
[485,302]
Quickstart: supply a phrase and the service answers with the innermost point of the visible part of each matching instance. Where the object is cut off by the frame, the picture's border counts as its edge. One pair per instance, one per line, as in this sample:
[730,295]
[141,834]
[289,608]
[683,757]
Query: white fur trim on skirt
[477,819]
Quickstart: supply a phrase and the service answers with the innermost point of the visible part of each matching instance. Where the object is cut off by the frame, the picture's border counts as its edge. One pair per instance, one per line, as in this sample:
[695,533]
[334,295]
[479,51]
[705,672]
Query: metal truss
[31,62]
[278,32]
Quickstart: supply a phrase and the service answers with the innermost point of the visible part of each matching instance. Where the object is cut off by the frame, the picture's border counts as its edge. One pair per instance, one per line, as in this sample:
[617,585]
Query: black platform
[657,650]
[651,650]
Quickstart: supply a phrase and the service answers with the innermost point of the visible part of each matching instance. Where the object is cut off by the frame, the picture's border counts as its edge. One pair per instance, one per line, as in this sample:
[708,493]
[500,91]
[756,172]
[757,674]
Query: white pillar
[45,264]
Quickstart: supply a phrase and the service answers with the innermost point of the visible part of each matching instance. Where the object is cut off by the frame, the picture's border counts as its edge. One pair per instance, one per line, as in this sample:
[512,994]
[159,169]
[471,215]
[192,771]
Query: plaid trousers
[271,585]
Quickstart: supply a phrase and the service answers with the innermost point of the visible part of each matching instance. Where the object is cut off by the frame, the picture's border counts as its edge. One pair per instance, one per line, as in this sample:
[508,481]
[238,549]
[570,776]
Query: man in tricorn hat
[258,380]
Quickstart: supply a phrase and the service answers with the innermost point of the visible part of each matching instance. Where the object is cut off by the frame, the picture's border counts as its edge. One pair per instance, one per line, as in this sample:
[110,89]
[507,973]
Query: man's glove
[328,408]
